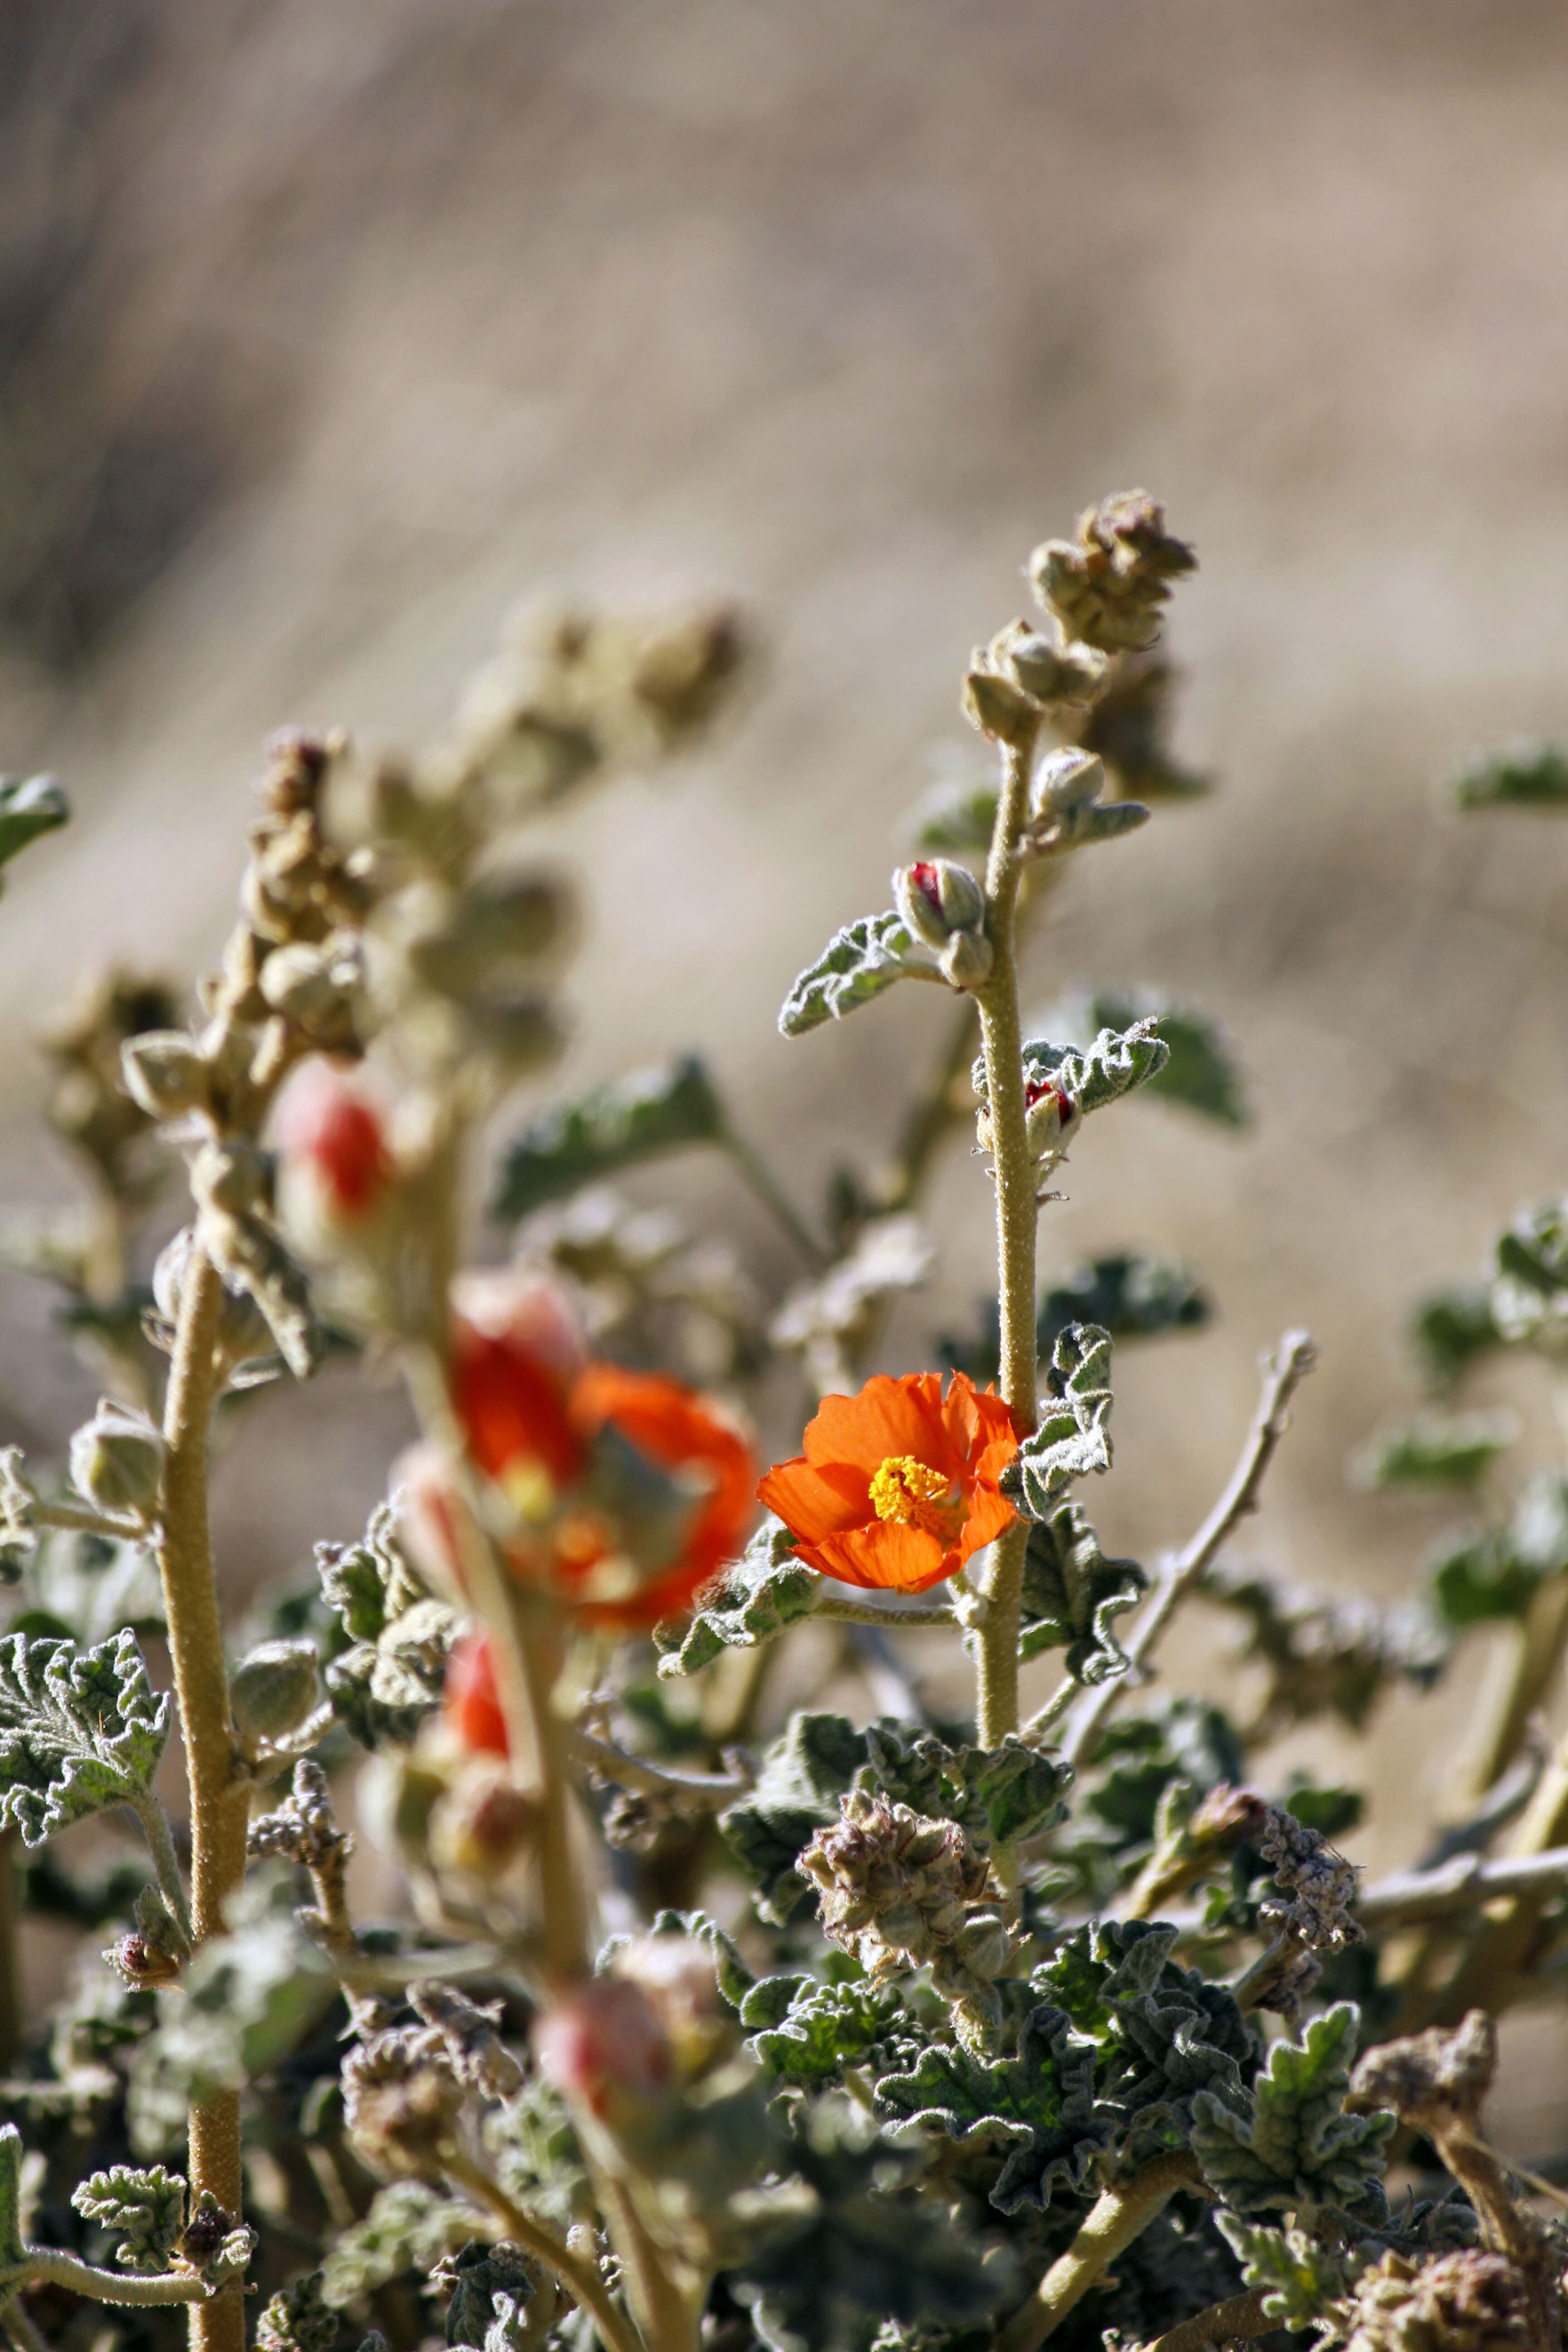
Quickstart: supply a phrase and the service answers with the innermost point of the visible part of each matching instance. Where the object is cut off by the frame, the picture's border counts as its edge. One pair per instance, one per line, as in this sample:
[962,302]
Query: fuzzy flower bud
[1065,779]
[165,1073]
[482,1822]
[1048,672]
[117,1459]
[316,986]
[998,707]
[603,2042]
[944,904]
[334,1142]
[1108,586]
[272,1693]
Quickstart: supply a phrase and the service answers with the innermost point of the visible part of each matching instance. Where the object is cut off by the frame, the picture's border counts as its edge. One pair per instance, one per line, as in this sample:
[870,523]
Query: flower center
[912,1493]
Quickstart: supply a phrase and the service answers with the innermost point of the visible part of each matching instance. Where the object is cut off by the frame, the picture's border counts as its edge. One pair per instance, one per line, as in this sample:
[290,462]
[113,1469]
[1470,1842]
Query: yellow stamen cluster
[910,1492]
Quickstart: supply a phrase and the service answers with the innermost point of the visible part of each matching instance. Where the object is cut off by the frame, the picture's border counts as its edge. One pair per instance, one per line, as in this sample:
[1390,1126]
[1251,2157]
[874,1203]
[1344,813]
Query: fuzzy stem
[19,2326]
[219,1806]
[667,2316]
[1117,2215]
[160,1838]
[1283,1373]
[1541,1642]
[1017,1215]
[610,1763]
[80,1518]
[46,2265]
[1505,1940]
[580,2278]
[11,2019]
[891,1621]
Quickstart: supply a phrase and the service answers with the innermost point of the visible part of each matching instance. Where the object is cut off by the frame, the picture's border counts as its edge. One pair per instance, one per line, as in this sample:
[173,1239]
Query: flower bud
[332,1137]
[117,1459]
[165,1073]
[603,2043]
[944,905]
[244,1330]
[315,986]
[999,708]
[1051,1116]
[482,1823]
[1048,672]
[272,1693]
[471,1706]
[1065,779]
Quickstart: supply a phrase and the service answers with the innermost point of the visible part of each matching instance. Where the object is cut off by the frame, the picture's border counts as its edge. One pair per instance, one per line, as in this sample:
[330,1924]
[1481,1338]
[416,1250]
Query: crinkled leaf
[145,2206]
[1182,1739]
[997,1795]
[1036,2110]
[1074,1433]
[1454,1449]
[820,2029]
[804,1774]
[1526,775]
[1295,2146]
[27,810]
[731,1974]
[383,1690]
[1335,1654]
[409,2227]
[1196,1069]
[1116,1063]
[857,963]
[957,816]
[1299,2276]
[840,2249]
[1072,1595]
[610,1126]
[369,1583]
[11,2155]
[1452,1329]
[752,1601]
[79,1729]
[491,2289]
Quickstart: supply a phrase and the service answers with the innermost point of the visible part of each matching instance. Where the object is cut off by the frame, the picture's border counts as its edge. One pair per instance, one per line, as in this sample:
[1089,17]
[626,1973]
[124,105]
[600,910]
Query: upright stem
[11,2020]
[1017,1214]
[1117,2215]
[219,1808]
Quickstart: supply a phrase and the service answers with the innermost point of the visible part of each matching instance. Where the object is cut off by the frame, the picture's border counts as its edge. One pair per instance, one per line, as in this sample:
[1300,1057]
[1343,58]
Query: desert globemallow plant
[697,2022]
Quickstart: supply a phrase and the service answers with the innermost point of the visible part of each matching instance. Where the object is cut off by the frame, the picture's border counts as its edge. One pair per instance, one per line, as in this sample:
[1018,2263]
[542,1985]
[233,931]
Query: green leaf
[145,2206]
[1497,1571]
[79,1729]
[754,1599]
[369,1583]
[480,2273]
[1302,2277]
[1452,1329]
[997,1795]
[1130,1297]
[1074,1436]
[857,963]
[1113,1066]
[731,1974]
[27,810]
[383,1690]
[1036,2111]
[297,2318]
[1526,775]
[957,816]
[1326,1653]
[11,2155]
[822,2029]
[409,2227]
[1072,1593]
[611,1127]
[804,1774]
[1440,1450]
[1296,2146]
[1188,1740]
[1197,1069]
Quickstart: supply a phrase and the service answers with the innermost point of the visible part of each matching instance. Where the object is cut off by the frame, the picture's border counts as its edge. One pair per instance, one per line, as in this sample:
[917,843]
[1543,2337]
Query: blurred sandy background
[329,332]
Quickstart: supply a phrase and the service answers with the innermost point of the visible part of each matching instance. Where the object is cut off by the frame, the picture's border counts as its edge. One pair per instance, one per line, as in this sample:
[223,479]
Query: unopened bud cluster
[1470,2301]
[901,1890]
[945,907]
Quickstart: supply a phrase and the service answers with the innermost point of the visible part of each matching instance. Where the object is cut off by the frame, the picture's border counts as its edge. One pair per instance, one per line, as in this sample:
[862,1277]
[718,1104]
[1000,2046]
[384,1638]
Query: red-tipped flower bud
[944,905]
[332,1134]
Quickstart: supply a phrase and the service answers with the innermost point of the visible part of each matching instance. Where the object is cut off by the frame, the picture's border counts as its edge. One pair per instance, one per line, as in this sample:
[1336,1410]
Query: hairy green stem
[11,2021]
[890,1621]
[218,1793]
[80,1518]
[1236,2320]
[19,2326]
[160,1840]
[46,2265]
[666,2315]
[1117,2215]
[1017,1215]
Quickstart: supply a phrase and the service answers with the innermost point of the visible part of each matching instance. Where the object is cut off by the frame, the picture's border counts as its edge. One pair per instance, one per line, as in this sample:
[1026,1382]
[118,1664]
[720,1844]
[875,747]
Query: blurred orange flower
[898,1486]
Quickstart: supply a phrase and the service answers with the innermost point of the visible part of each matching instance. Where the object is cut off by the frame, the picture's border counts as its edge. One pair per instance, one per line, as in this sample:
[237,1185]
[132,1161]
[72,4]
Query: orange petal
[883,1558]
[990,1515]
[814,1501]
[987,1471]
[887,1417]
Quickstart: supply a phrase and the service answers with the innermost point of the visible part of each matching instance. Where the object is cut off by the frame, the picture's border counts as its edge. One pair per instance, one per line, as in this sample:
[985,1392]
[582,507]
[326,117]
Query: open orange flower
[898,1486]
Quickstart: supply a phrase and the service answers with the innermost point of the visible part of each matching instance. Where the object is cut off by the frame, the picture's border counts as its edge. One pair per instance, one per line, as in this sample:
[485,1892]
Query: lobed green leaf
[1295,2145]
[1197,1068]
[857,963]
[1074,1436]
[1072,1595]
[611,1127]
[754,1599]
[79,1729]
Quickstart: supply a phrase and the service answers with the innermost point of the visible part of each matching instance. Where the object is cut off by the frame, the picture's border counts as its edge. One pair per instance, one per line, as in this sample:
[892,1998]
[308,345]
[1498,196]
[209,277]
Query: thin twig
[888,1621]
[42,2266]
[610,1763]
[1283,1373]
[581,2279]
[160,1838]
[1238,2319]
[80,1518]
[749,1163]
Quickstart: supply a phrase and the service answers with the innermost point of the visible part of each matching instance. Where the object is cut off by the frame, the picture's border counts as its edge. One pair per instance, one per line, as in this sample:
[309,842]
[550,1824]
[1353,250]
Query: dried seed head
[899,1890]
[1109,584]
[1464,2302]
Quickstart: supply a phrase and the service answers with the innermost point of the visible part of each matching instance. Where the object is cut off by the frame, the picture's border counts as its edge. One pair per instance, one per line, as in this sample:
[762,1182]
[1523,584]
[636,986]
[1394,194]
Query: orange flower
[627,1491]
[898,1486]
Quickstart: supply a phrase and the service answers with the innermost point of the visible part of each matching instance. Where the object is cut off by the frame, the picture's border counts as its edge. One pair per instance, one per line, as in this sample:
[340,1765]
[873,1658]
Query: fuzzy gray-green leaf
[857,963]
[1297,2146]
[1072,1593]
[145,2206]
[1197,1069]
[1440,1450]
[79,1729]
[1073,1437]
[755,1599]
[611,1127]
[1526,775]
[27,810]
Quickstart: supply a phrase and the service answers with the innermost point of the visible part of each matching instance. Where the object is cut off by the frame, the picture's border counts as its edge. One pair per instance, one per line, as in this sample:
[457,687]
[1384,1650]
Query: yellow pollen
[913,1494]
